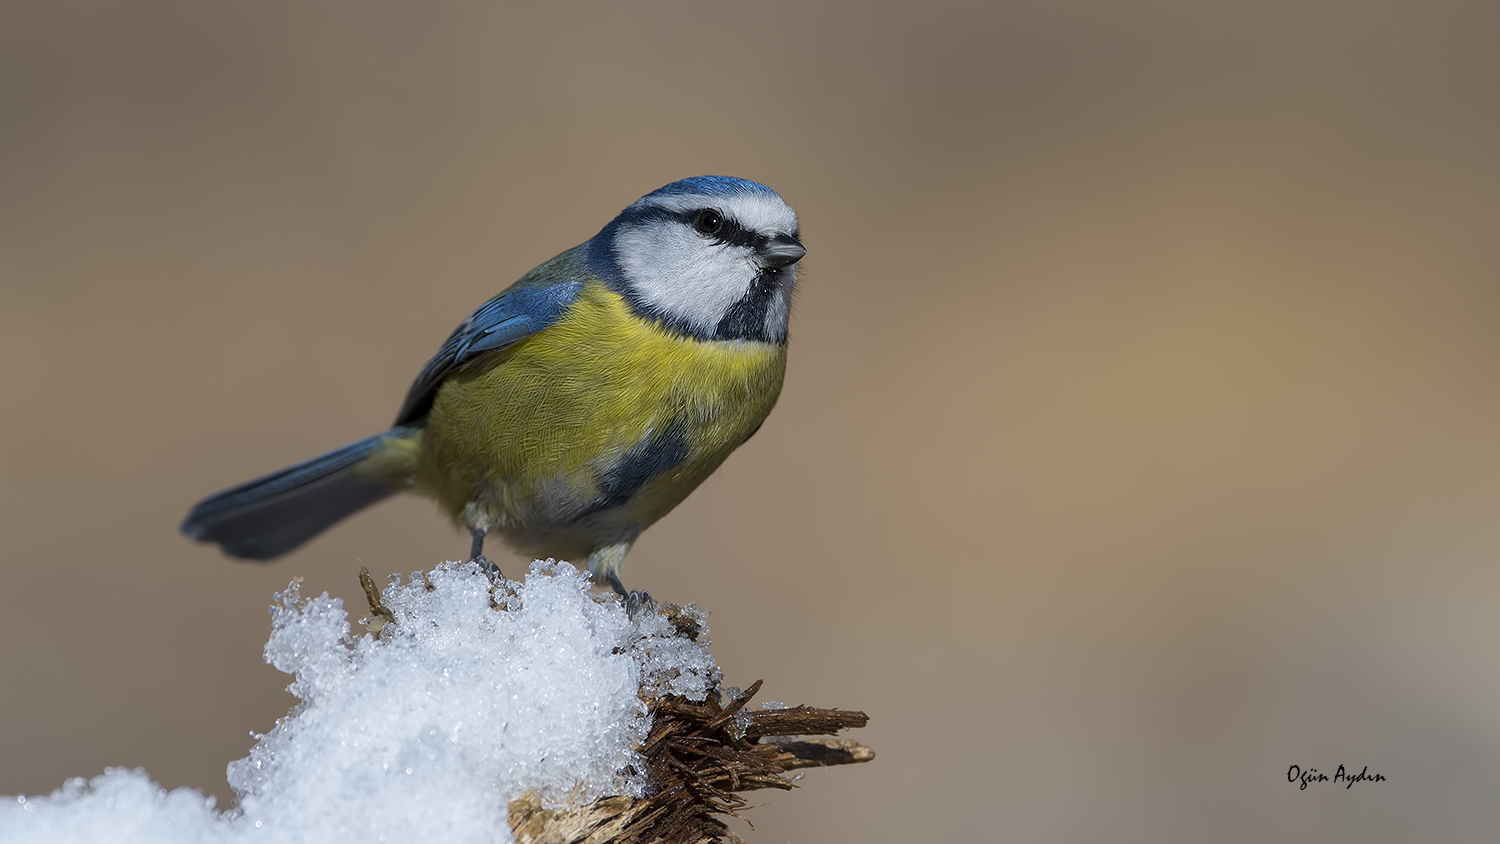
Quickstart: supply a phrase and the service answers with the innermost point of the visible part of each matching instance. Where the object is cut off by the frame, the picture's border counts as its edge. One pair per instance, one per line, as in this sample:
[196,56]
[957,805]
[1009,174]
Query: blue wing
[523,310]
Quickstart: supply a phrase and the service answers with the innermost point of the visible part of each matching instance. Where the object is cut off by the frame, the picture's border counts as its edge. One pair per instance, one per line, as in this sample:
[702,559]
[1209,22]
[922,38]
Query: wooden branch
[820,753]
[380,614]
[600,822]
[699,756]
[802,720]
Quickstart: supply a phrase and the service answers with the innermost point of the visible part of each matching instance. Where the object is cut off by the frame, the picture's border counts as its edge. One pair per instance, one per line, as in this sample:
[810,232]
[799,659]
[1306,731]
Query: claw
[488,567]
[638,602]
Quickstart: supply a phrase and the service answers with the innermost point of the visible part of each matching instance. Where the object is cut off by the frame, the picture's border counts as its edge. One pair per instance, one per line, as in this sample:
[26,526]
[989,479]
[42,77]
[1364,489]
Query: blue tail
[270,516]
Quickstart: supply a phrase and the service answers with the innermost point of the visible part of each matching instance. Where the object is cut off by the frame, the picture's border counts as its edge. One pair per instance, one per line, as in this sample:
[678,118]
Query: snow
[424,732]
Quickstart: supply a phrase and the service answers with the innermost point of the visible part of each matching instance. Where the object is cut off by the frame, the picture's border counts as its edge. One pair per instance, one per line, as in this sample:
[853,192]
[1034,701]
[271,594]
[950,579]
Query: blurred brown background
[1139,441]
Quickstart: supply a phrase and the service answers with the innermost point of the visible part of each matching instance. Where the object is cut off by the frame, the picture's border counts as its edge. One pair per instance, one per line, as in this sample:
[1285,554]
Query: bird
[581,404]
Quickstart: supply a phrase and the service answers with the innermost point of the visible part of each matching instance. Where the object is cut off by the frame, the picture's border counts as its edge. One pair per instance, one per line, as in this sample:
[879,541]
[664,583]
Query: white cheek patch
[686,276]
[683,274]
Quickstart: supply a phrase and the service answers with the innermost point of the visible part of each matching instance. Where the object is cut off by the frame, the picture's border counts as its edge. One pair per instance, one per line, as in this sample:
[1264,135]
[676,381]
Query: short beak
[783,250]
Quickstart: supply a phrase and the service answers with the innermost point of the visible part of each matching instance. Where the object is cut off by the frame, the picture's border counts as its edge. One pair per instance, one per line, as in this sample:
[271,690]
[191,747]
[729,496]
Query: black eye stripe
[730,231]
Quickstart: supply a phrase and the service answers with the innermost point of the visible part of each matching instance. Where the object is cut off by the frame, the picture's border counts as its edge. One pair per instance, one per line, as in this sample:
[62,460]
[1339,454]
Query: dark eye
[708,221]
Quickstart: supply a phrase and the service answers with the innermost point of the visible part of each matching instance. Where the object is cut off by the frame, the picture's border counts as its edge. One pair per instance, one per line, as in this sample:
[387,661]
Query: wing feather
[503,321]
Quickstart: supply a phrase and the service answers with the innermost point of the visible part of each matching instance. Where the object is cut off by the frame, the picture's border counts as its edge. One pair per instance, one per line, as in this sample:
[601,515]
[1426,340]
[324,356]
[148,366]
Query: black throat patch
[746,320]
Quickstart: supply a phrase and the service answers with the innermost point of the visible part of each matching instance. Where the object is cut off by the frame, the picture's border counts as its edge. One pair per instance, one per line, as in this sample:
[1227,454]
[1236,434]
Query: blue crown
[712,186]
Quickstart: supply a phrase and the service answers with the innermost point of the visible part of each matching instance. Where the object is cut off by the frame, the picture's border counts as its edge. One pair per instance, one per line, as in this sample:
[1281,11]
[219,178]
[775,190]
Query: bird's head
[711,257]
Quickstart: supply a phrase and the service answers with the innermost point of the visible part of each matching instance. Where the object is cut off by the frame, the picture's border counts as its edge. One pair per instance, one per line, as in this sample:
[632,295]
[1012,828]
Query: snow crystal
[426,731]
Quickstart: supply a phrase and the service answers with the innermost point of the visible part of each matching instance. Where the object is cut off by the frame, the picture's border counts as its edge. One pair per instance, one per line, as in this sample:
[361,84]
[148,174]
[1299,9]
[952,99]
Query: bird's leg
[606,562]
[613,579]
[476,554]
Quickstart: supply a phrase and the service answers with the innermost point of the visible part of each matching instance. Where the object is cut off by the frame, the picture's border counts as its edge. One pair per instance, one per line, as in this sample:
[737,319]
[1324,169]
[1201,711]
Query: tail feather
[271,515]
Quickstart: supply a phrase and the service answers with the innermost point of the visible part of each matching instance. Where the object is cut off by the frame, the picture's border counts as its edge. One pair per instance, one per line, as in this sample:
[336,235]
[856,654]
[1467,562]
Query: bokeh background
[1139,439]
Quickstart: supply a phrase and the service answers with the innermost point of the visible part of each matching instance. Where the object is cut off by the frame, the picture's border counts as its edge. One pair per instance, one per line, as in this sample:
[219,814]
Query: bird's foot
[638,602]
[488,567]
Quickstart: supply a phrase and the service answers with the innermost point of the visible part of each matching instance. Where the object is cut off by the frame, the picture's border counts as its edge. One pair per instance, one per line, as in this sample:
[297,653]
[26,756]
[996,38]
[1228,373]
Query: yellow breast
[522,434]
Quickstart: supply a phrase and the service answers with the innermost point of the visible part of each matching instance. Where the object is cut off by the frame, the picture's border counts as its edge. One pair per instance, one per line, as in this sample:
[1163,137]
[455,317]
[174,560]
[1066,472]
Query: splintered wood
[699,757]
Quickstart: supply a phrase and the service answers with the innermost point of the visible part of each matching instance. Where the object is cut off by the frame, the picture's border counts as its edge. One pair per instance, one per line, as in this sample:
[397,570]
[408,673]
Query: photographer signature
[1311,775]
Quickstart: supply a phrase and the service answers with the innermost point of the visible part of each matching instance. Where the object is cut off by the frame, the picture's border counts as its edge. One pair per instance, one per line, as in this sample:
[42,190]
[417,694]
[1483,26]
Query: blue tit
[580,405]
